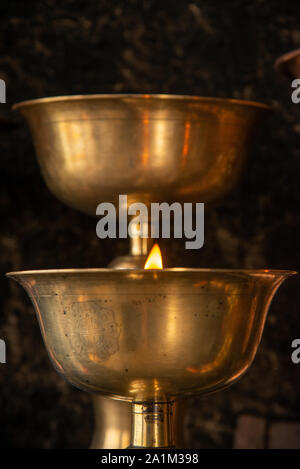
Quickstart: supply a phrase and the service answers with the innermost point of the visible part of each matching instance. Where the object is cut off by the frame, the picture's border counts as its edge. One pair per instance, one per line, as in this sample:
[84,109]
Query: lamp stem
[141,246]
[152,425]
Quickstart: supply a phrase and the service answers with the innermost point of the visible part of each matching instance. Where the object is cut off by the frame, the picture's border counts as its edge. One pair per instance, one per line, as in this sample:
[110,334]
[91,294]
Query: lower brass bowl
[144,334]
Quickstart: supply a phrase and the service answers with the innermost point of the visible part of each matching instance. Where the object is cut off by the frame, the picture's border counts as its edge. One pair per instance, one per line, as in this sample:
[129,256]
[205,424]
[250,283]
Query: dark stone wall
[224,49]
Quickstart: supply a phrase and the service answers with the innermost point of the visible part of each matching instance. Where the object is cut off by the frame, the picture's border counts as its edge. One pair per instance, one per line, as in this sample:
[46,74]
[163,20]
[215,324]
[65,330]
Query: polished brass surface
[150,336]
[112,427]
[113,422]
[152,425]
[289,64]
[152,147]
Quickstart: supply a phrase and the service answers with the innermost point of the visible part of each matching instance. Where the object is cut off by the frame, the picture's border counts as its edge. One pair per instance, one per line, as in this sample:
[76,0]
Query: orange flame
[154,260]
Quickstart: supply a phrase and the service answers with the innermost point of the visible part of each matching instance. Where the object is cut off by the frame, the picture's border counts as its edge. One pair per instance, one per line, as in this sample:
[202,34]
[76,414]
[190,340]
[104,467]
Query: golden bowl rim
[166,96]
[285,58]
[118,272]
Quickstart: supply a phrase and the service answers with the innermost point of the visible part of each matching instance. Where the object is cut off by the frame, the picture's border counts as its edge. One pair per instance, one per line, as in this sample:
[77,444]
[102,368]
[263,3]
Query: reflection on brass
[113,422]
[152,425]
[152,147]
[289,64]
[112,428]
[150,337]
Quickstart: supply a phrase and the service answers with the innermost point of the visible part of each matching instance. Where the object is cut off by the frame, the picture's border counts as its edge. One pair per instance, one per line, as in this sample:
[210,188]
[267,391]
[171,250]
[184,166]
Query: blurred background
[52,47]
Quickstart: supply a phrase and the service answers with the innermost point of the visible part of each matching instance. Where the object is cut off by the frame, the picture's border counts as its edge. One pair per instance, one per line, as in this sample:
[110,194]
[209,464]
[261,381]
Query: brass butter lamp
[154,148]
[150,337]
[151,147]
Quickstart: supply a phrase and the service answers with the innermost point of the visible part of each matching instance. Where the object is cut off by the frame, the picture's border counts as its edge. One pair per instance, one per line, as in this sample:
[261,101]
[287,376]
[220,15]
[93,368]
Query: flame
[154,260]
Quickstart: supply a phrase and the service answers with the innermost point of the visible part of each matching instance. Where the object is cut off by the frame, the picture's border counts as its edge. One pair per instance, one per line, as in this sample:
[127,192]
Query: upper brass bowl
[153,148]
[145,334]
